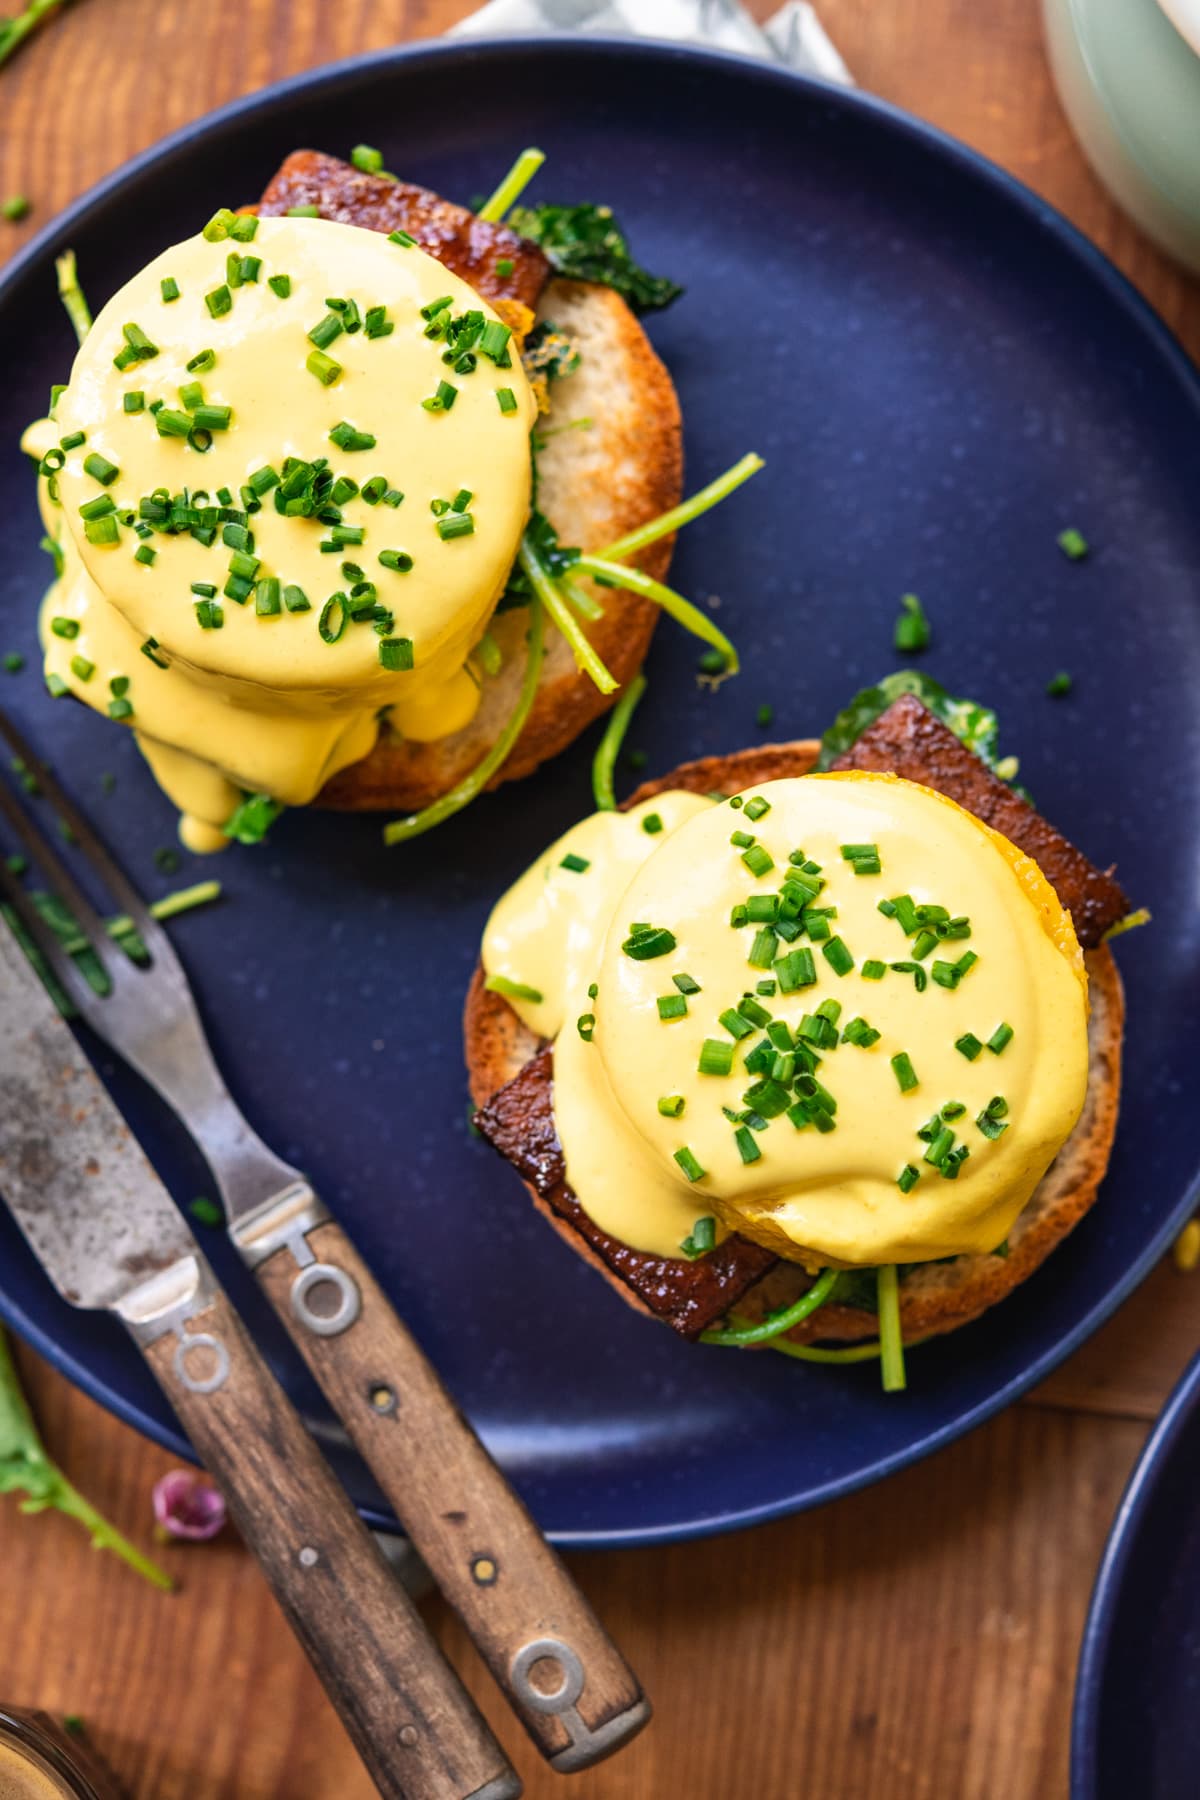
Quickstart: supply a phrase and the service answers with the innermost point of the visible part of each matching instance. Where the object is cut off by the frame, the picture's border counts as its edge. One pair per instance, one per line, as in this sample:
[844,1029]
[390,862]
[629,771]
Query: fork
[561,1673]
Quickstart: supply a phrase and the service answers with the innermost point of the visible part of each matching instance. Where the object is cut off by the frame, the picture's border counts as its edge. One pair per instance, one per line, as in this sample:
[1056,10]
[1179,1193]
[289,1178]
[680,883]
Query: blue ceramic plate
[1136,1728]
[942,375]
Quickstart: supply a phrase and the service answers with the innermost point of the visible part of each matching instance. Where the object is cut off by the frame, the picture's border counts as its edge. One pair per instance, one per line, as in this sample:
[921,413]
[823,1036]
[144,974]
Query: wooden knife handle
[415,1726]
[561,1672]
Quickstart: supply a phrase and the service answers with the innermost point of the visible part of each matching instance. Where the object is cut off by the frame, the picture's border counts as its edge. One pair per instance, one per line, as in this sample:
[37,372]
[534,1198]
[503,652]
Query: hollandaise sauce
[836,1014]
[286,483]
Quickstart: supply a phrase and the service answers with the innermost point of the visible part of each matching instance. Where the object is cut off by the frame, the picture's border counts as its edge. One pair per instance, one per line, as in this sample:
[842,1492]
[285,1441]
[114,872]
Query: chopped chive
[455,525]
[968,1045]
[837,956]
[1072,543]
[145,554]
[309,211]
[688,1164]
[796,970]
[366,158]
[219,301]
[686,984]
[65,628]
[735,1023]
[399,560]
[716,1057]
[170,289]
[585,1025]
[513,990]
[323,367]
[443,399]
[906,1075]
[576,864]
[1059,684]
[672,1006]
[757,808]
[120,708]
[396,653]
[16,207]
[333,618]
[295,598]
[758,859]
[268,597]
[940,1147]
[915,970]
[504,267]
[280,284]
[912,632]
[82,668]
[349,437]
[401,238]
[873,971]
[703,1236]
[100,469]
[908,1178]
[747,1143]
[1000,1038]
[647,941]
[210,615]
[506,400]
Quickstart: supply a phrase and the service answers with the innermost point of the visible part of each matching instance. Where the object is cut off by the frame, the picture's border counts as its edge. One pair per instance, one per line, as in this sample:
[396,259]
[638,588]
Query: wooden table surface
[919,1639]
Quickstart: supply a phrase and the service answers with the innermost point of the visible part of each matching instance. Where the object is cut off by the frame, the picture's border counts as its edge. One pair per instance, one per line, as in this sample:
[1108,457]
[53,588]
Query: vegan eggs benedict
[836,1015]
[286,485]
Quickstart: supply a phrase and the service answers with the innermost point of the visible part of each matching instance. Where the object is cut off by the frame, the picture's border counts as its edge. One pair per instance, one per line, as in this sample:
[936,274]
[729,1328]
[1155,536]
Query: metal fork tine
[95,853]
[64,967]
[59,876]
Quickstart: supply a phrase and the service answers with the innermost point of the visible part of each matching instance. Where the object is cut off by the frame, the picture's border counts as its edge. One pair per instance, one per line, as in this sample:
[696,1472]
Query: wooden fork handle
[415,1726]
[562,1674]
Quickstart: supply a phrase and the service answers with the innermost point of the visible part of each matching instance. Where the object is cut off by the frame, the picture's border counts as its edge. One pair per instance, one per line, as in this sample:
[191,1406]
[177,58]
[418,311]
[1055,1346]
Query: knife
[108,1235]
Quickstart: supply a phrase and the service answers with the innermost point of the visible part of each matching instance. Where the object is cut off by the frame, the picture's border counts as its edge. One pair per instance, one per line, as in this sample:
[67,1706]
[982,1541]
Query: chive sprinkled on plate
[1059,685]
[1073,544]
[912,631]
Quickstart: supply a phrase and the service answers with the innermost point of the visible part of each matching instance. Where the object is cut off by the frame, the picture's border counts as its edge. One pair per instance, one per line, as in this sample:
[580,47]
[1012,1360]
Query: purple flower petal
[187,1505]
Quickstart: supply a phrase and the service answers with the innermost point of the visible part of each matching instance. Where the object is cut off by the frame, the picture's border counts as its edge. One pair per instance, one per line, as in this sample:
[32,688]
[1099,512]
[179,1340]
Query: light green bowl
[1128,76]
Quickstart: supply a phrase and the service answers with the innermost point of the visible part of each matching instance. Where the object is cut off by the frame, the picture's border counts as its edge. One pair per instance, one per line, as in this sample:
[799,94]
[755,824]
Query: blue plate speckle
[942,374]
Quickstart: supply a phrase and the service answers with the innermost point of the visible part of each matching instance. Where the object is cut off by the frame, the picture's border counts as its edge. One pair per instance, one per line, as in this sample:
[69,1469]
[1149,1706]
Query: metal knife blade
[76,1180]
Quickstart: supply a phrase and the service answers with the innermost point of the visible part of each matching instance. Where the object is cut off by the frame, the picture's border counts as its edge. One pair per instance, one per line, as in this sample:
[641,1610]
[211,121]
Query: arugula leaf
[252,818]
[26,1469]
[975,724]
[585,243]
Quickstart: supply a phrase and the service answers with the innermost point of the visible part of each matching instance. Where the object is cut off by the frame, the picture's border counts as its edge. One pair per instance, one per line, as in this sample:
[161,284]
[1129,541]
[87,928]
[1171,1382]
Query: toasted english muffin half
[935,1297]
[594,485]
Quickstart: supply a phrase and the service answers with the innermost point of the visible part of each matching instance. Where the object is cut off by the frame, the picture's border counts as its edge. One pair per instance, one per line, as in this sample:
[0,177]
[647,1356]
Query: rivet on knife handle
[414,1725]
[563,1675]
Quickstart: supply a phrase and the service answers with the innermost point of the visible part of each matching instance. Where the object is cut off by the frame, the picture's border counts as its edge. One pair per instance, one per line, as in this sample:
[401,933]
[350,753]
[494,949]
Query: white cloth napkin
[794,35]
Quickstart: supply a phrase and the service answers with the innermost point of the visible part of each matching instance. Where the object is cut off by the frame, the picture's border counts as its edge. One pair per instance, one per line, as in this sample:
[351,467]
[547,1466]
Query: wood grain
[917,1640]
[415,1728]
[487,1556]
